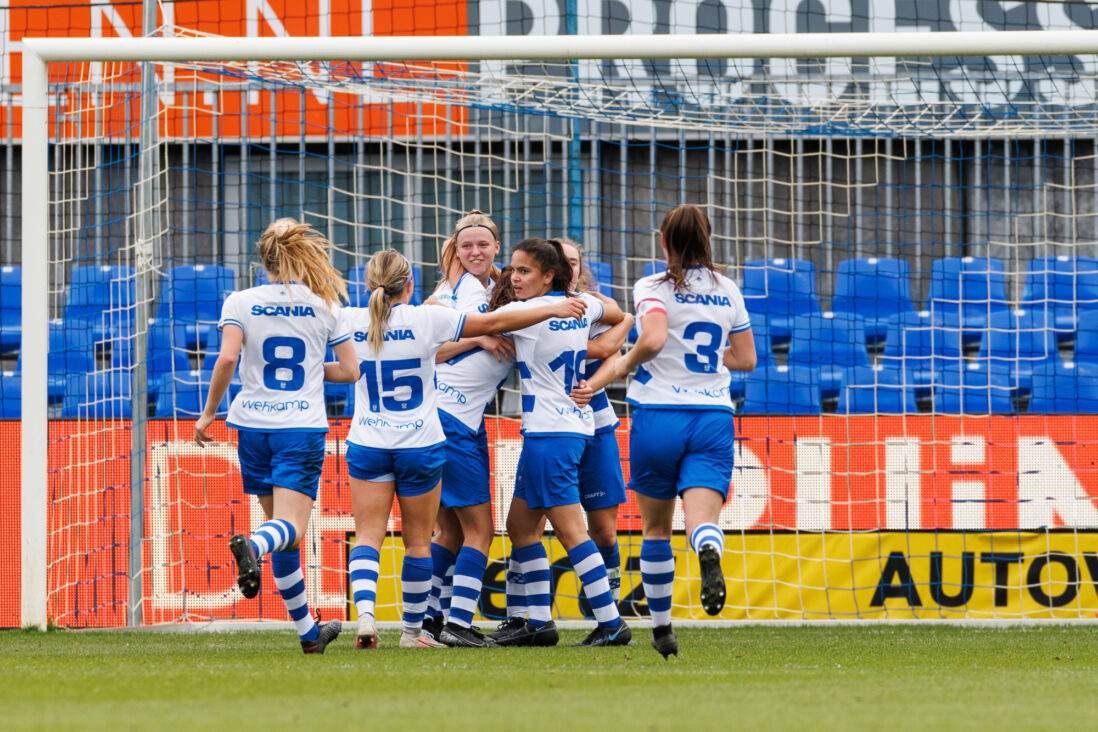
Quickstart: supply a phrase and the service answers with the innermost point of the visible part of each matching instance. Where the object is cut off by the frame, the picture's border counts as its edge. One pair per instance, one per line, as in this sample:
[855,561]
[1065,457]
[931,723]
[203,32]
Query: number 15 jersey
[395,403]
[689,372]
[287,330]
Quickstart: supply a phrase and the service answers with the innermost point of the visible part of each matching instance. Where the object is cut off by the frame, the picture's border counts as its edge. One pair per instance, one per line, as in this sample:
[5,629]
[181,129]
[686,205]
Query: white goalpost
[806,147]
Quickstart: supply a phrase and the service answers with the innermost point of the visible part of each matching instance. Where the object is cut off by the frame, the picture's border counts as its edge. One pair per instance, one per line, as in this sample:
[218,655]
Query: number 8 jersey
[287,331]
[689,372]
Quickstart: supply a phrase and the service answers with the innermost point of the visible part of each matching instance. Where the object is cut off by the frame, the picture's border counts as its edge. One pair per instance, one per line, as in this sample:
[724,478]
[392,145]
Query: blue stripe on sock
[441,559]
[598,600]
[415,570]
[368,553]
[542,600]
[657,550]
[611,556]
[470,564]
[285,564]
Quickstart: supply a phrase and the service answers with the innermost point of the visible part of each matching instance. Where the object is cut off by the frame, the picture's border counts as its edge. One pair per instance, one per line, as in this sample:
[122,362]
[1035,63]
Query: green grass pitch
[822,677]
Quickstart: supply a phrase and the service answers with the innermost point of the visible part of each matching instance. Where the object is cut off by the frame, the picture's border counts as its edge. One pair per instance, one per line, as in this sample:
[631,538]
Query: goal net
[914,236]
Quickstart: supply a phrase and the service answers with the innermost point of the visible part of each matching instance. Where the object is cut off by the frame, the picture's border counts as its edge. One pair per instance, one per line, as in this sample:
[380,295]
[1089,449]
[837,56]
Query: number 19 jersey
[550,356]
[689,372]
[287,330]
[395,402]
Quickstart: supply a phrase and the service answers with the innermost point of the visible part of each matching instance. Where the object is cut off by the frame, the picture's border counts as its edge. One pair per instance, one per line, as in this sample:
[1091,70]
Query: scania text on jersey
[688,298]
[396,334]
[569,324]
[300,311]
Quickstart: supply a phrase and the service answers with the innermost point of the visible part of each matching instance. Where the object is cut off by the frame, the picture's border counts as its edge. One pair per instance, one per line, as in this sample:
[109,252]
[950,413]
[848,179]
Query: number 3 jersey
[395,403]
[287,331]
[550,357]
[689,372]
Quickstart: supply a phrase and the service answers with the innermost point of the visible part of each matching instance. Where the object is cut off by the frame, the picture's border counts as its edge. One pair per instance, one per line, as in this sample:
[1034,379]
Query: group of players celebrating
[424,376]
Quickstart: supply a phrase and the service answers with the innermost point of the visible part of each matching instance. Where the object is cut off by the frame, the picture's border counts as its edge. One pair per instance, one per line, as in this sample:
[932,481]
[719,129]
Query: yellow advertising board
[883,575]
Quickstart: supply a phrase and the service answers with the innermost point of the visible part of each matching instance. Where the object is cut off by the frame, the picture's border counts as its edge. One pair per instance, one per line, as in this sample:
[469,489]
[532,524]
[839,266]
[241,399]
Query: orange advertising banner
[930,475]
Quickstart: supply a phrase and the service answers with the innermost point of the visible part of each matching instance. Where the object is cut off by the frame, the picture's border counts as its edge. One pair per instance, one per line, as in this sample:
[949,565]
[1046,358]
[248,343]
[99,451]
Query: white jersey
[287,332]
[605,418]
[395,406]
[689,373]
[468,382]
[550,357]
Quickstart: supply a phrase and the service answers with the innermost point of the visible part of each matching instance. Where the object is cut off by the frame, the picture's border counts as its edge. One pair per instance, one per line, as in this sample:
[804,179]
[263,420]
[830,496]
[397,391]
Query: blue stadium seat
[875,289]
[11,395]
[921,346]
[183,395]
[98,395]
[417,291]
[1061,286]
[261,277]
[358,292]
[973,388]
[191,297]
[764,356]
[876,389]
[651,268]
[782,390]
[780,290]
[832,342]
[103,296]
[11,308]
[965,291]
[161,357]
[71,353]
[1065,388]
[602,275]
[1018,340]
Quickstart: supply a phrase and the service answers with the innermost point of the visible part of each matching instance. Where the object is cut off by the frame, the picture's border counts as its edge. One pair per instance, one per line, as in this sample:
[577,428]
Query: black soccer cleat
[602,636]
[328,632]
[461,637]
[712,594]
[665,641]
[433,626]
[247,565]
[528,634]
[507,627]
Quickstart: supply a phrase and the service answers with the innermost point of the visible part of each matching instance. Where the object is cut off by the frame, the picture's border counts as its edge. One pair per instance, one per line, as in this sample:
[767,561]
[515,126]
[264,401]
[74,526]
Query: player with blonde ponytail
[396,442]
[284,329]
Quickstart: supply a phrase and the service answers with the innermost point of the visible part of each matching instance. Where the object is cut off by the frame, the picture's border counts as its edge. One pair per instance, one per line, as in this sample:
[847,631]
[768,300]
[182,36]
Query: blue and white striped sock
[442,560]
[516,589]
[611,557]
[415,586]
[707,534]
[468,578]
[364,563]
[658,576]
[534,565]
[273,536]
[447,593]
[587,563]
[291,585]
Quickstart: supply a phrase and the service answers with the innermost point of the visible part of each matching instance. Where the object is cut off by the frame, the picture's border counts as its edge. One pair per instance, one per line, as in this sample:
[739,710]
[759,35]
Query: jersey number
[382,383]
[291,363]
[705,360]
[572,362]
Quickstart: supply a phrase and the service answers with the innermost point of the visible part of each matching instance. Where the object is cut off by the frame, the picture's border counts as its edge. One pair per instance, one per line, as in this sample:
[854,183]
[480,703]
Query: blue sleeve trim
[338,340]
[230,321]
[460,327]
[462,356]
[741,328]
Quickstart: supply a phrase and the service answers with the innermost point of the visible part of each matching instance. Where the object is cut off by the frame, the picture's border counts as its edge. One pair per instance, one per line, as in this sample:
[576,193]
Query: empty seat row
[964,388]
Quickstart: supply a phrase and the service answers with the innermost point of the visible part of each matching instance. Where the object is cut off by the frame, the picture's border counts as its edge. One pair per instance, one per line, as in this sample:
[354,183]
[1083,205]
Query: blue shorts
[415,471]
[284,459]
[671,450]
[466,476]
[600,479]
[548,471]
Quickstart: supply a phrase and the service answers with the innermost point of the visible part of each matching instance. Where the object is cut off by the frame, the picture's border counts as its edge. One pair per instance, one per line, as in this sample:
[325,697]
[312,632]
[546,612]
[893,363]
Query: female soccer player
[285,328]
[396,442]
[681,439]
[602,487]
[467,377]
[555,432]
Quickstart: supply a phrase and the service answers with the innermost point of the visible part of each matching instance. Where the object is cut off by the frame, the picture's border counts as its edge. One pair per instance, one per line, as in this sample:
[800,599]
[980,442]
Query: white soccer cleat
[423,640]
